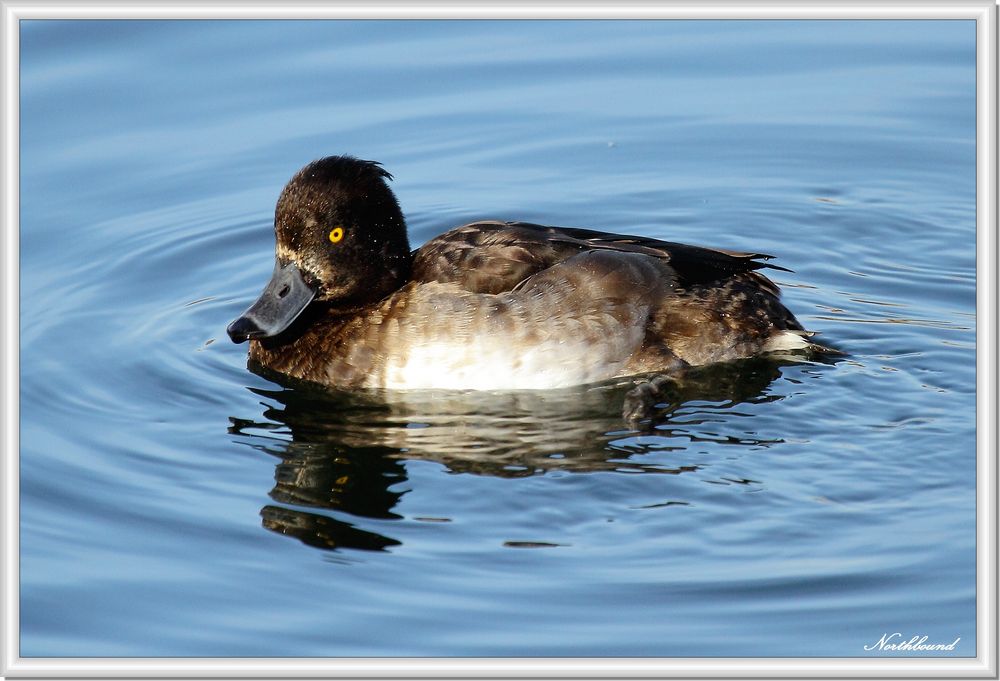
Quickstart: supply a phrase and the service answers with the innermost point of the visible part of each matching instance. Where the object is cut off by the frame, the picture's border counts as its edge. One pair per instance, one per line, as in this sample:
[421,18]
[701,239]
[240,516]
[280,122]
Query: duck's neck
[397,272]
[393,260]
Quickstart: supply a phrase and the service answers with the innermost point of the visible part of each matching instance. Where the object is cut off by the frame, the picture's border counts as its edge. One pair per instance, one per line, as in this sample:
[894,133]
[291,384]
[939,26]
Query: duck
[492,305]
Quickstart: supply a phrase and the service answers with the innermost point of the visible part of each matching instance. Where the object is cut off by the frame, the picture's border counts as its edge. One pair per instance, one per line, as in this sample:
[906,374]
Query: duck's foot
[641,401]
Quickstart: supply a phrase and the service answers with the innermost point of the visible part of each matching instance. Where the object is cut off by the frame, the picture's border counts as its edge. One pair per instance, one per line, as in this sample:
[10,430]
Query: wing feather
[494,257]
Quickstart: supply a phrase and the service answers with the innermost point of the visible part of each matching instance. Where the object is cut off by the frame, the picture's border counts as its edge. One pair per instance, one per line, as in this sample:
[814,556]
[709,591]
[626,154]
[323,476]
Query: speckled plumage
[495,305]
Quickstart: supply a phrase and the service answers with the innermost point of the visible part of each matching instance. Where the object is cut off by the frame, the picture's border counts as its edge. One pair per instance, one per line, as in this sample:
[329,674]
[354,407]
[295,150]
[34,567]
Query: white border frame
[984,12]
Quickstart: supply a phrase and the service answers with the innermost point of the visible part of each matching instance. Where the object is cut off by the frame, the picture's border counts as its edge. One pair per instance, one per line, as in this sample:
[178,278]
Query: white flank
[495,365]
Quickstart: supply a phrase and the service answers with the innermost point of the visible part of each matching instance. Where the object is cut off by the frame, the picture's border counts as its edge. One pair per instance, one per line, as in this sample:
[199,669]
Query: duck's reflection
[345,451]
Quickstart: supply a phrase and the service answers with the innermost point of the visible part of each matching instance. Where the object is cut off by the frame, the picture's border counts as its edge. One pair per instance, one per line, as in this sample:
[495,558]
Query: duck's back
[493,256]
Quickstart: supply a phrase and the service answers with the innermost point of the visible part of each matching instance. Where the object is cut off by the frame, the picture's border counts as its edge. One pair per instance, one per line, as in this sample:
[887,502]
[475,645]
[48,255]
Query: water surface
[174,503]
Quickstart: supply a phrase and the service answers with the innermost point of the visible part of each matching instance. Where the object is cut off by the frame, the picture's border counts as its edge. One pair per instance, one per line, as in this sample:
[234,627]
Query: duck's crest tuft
[344,167]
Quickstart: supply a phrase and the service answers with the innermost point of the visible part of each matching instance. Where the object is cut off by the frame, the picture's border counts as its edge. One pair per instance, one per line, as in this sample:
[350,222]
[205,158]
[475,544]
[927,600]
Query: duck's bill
[283,300]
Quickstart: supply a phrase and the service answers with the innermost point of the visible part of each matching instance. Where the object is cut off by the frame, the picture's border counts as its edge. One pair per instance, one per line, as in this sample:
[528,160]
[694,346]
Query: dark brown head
[341,240]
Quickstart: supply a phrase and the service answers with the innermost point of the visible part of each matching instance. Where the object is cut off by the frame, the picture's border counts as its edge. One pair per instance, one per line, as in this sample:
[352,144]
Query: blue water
[173,503]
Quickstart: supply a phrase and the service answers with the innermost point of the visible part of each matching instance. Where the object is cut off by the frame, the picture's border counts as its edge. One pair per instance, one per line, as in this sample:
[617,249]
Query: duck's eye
[336,234]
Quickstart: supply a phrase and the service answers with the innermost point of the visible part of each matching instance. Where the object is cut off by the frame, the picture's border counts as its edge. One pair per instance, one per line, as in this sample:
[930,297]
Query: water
[174,503]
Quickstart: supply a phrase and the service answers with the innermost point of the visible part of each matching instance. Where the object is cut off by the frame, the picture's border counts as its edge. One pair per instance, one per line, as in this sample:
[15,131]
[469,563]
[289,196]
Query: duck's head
[341,240]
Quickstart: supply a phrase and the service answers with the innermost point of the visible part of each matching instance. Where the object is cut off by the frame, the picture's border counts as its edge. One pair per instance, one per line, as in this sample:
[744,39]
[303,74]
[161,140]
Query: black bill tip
[283,300]
[243,329]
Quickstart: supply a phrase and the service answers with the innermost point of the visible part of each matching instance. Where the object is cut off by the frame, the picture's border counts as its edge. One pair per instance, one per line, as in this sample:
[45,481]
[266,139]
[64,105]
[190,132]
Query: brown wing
[493,257]
[488,257]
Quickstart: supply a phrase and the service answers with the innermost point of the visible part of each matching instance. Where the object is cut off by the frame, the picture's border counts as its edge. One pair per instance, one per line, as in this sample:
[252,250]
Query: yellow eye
[336,234]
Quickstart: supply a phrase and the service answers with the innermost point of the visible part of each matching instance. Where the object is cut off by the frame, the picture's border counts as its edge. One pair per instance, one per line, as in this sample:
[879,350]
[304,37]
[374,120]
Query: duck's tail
[790,340]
